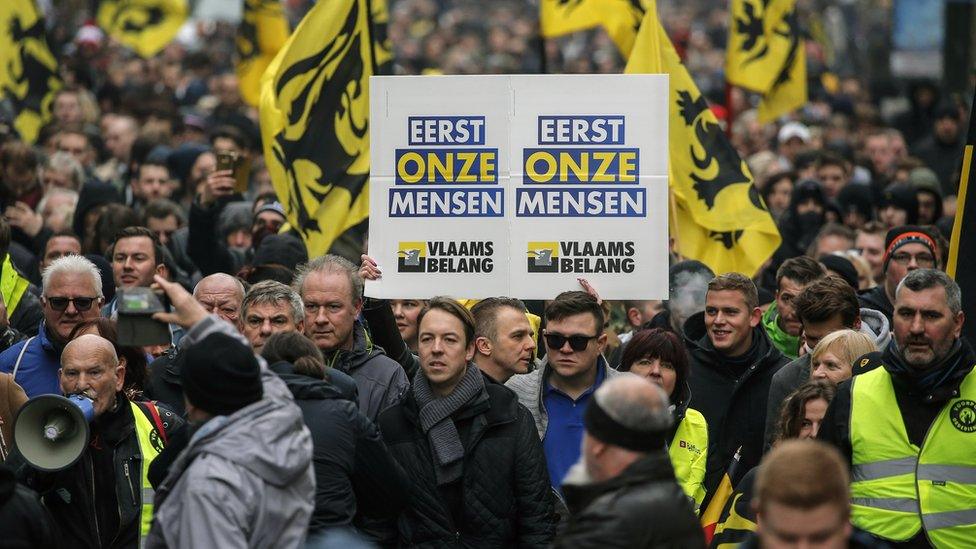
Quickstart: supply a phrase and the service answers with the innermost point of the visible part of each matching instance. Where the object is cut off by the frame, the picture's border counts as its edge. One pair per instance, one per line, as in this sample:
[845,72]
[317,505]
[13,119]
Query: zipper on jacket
[98,535]
[128,480]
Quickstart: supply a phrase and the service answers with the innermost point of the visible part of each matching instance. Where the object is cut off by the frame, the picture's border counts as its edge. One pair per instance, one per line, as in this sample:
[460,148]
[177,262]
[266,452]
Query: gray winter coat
[528,388]
[380,379]
[244,480]
[789,378]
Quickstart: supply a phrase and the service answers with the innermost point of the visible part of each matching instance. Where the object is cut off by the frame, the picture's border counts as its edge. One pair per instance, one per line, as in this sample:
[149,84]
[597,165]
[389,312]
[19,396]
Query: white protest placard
[519,185]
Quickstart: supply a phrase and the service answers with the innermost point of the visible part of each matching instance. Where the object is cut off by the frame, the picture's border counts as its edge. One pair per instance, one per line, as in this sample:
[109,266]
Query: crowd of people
[827,400]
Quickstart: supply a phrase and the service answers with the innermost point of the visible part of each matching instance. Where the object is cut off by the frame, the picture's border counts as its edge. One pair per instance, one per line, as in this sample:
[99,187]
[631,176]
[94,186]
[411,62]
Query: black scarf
[930,380]
[435,419]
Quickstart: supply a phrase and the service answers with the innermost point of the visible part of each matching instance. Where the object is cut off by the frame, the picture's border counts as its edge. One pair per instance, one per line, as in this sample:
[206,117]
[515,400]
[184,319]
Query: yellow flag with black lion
[28,70]
[315,122]
[765,54]
[717,214]
[145,26]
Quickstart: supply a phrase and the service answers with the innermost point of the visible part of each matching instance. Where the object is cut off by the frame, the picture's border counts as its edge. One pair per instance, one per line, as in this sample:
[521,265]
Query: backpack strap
[20,357]
[150,408]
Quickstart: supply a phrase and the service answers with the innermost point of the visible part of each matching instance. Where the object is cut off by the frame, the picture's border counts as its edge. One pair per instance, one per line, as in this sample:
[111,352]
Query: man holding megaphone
[97,492]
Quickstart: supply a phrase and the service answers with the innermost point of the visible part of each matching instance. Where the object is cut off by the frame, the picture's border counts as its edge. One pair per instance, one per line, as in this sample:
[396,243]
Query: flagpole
[673,207]
[543,62]
[369,29]
[730,111]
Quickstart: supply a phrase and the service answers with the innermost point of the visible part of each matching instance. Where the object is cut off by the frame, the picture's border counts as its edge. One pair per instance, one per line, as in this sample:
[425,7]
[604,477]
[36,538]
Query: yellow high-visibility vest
[12,286]
[146,433]
[689,451]
[899,488]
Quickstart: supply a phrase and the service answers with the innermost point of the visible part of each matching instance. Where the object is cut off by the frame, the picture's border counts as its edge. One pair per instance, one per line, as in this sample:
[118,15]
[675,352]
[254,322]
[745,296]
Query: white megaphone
[51,431]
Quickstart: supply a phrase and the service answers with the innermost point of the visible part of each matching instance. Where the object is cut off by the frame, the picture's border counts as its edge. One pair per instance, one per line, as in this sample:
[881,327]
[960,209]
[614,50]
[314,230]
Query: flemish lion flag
[146,26]
[765,54]
[720,219]
[963,238]
[262,32]
[28,69]
[620,18]
[315,122]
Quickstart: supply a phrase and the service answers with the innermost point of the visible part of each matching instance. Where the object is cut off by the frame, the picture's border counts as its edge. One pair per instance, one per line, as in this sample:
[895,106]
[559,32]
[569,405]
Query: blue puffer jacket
[38,370]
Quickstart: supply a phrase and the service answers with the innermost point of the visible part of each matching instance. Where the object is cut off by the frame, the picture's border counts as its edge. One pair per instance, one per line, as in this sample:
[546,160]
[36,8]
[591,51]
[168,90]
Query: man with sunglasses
[573,369]
[72,294]
[907,248]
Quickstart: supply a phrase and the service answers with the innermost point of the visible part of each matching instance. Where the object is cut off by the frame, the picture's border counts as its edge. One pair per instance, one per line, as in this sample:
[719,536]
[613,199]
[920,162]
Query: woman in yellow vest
[660,356]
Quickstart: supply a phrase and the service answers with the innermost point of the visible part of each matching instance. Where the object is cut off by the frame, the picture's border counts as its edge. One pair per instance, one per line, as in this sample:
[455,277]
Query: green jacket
[787,344]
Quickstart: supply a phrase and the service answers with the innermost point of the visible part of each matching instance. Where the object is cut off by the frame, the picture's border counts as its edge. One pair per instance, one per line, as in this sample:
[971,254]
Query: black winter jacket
[734,404]
[380,380]
[876,298]
[504,494]
[354,472]
[642,507]
[97,501]
[26,523]
[163,384]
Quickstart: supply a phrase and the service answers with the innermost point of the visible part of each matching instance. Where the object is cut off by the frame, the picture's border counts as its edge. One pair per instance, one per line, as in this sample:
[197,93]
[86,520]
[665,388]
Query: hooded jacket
[734,404]
[244,480]
[643,507]
[354,472]
[798,230]
[504,495]
[380,380]
[877,299]
[787,344]
[790,377]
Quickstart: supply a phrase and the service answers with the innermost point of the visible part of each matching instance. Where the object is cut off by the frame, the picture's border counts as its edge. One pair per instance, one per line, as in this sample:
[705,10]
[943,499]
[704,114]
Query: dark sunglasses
[61,303]
[576,342]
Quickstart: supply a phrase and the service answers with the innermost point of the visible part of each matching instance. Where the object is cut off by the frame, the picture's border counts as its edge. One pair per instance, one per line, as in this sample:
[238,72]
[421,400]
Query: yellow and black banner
[28,70]
[315,122]
[717,216]
[765,54]
[145,26]
[963,237]
[620,18]
[262,32]
[382,45]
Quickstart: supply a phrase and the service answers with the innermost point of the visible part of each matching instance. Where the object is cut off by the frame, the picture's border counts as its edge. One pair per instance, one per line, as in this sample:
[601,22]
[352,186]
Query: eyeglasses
[923,259]
[61,303]
[576,342]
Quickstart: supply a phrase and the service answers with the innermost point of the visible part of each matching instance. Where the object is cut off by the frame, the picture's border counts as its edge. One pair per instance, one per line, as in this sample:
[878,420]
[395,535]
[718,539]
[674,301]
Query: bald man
[103,499]
[222,295]
[622,492]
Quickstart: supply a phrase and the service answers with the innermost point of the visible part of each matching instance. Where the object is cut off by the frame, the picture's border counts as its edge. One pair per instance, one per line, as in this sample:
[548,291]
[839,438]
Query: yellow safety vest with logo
[12,286]
[689,451]
[899,488]
[144,434]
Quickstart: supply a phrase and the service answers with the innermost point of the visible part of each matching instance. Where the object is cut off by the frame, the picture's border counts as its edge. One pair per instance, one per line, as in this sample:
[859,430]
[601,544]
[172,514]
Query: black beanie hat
[280,249]
[907,234]
[843,267]
[902,197]
[220,375]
